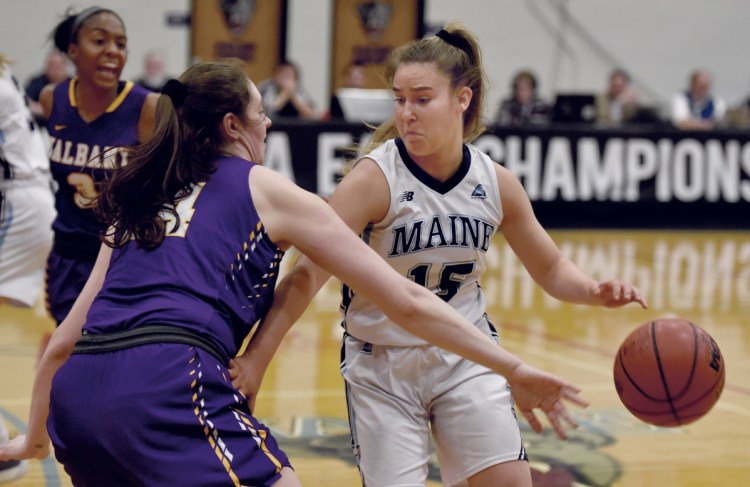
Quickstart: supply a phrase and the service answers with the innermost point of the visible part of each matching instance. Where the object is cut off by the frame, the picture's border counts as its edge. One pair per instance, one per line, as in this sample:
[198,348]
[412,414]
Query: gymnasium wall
[570,44]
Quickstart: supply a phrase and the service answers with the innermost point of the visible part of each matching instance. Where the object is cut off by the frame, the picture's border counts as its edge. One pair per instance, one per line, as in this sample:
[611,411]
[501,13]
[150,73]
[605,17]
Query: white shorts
[397,395]
[26,216]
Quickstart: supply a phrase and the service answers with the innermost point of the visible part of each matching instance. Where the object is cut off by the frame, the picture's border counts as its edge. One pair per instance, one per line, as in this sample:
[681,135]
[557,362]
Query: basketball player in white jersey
[27,209]
[26,198]
[429,203]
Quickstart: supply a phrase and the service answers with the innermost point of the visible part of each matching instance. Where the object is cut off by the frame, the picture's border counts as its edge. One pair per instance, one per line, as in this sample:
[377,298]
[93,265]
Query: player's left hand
[614,293]
[18,448]
[534,389]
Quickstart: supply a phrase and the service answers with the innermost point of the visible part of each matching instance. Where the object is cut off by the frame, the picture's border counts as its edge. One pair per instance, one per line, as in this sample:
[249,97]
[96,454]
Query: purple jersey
[214,273]
[80,152]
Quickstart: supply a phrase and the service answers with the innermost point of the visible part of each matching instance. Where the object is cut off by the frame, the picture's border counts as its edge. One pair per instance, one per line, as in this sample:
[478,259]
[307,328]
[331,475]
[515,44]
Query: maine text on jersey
[82,154]
[442,231]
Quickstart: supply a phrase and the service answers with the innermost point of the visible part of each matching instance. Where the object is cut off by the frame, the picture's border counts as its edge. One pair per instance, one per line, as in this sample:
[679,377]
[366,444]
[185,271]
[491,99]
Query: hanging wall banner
[366,31]
[251,30]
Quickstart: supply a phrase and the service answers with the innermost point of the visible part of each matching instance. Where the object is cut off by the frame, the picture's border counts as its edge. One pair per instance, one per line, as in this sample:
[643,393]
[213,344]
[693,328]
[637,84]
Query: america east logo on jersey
[479,193]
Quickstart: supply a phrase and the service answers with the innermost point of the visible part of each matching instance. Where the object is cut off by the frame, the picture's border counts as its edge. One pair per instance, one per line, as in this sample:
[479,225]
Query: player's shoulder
[50,92]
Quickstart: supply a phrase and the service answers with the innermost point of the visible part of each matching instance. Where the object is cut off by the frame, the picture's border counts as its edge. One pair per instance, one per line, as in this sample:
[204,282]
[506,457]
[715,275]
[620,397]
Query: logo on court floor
[577,462]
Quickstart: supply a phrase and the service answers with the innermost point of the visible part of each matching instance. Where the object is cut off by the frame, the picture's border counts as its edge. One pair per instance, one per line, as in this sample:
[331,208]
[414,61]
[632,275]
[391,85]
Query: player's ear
[72,52]
[464,97]
[230,126]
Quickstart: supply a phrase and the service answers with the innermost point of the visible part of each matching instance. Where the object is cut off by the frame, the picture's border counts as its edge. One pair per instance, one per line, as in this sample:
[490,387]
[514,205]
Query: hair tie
[81,18]
[176,91]
[456,41]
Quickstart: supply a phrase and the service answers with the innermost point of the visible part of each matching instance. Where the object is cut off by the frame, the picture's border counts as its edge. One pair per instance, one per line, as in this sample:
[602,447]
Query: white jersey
[27,205]
[435,233]
[23,153]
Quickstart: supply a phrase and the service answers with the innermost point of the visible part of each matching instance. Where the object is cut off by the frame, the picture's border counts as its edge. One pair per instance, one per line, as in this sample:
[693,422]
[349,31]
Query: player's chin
[107,82]
[416,145]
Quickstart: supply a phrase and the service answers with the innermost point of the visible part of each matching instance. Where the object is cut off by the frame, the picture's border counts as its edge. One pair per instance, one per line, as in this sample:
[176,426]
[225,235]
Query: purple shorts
[66,277]
[157,415]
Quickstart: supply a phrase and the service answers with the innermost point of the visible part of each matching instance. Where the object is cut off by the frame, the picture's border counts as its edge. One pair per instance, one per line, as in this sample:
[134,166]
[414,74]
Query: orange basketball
[669,372]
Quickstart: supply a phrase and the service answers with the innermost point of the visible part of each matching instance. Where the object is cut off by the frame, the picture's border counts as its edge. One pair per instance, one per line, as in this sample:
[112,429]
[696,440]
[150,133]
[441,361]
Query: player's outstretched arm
[556,274]
[291,297]
[306,222]
[361,197]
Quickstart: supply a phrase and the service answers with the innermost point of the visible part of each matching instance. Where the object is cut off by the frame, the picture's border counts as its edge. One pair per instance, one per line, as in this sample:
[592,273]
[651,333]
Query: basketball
[669,372]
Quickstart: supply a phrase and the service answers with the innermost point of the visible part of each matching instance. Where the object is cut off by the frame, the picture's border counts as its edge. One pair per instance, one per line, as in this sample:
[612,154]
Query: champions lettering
[625,169]
[81,154]
[450,231]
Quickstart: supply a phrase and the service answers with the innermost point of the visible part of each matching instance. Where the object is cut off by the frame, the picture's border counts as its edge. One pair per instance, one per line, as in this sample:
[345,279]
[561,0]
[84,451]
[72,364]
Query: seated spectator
[154,71]
[284,96]
[738,116]
[620,103]
[524,107]
[354,77]
[56,69]
[697,108]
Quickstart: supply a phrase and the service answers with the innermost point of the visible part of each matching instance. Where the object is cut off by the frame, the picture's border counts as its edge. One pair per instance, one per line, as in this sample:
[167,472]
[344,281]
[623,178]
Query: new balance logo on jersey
[479,192]
[407,196]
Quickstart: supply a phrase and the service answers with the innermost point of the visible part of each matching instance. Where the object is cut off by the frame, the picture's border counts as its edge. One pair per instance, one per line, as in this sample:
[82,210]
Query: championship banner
[575,177]
[366,31]
[251,30]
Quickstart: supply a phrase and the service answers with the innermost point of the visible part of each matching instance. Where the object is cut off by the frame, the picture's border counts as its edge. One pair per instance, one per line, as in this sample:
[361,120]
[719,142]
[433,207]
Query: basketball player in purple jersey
[144,397]
[90,118]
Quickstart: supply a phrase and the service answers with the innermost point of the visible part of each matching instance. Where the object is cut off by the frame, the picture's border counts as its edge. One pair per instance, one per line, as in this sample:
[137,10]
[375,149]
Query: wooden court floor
[701,276]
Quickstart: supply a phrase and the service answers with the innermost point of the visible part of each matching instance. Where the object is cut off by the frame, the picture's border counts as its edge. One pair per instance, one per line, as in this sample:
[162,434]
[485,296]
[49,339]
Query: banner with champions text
[576,177]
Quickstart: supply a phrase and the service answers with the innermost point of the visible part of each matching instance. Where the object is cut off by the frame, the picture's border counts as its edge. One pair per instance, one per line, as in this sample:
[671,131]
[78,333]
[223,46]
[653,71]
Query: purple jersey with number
[214,273]
[81,152]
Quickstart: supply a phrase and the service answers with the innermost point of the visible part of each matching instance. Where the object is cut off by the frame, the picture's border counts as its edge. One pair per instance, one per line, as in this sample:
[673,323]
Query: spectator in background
[284,96]
[524,106]
[738,116]
[154,71]
[697,108]
[620,103]
[56,69]
[354,77]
